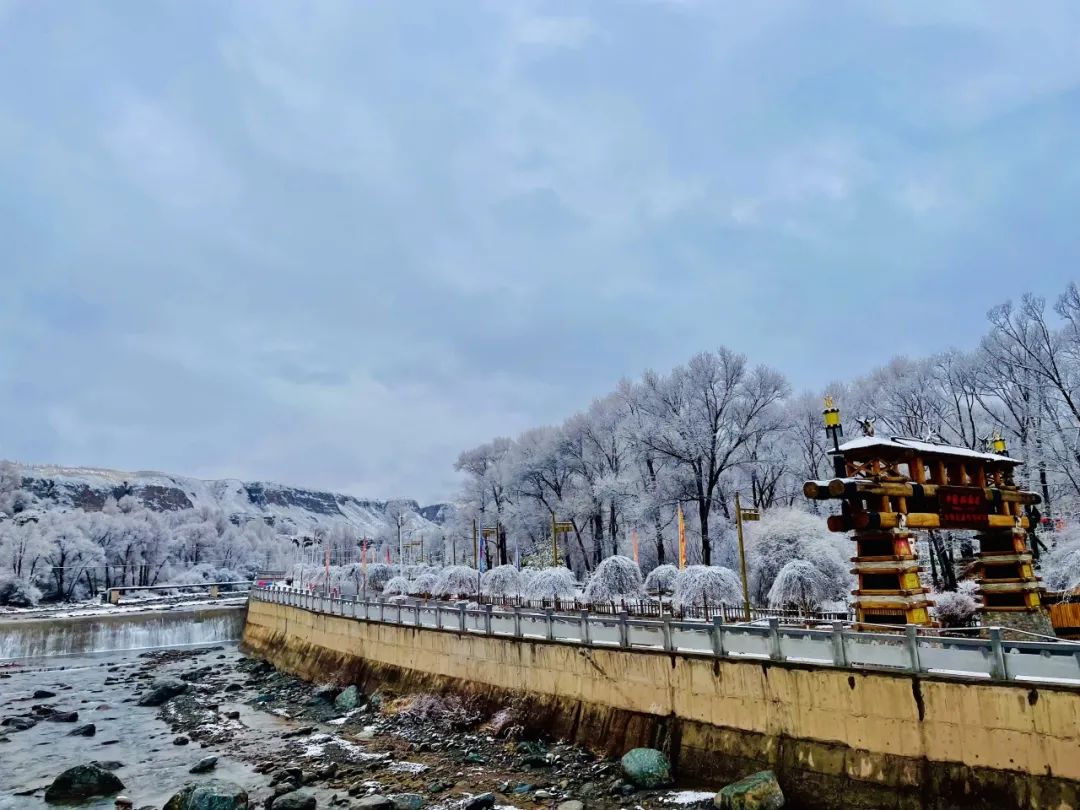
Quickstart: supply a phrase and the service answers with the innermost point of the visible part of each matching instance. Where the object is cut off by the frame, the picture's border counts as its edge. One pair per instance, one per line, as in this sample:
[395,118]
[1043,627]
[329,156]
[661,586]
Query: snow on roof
[920,446]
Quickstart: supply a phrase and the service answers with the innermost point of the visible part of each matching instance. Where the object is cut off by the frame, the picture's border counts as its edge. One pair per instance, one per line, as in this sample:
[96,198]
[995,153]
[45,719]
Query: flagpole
[742,556]
[682,538]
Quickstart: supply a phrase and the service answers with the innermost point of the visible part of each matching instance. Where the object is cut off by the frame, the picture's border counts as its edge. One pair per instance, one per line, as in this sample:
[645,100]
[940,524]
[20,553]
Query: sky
[333,244]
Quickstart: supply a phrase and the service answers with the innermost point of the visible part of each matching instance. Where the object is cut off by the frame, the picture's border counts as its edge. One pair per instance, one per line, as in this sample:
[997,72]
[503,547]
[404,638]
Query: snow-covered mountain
[290,508]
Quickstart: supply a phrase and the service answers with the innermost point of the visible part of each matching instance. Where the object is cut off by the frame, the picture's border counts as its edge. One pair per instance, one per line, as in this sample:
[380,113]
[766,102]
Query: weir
[838,737]
[39,638]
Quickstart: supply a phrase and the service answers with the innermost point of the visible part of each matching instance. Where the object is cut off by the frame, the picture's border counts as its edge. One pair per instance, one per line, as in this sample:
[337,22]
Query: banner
[682,539]
[633,544]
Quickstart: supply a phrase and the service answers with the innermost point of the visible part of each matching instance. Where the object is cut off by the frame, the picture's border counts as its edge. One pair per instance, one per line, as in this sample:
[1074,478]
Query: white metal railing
[993,657]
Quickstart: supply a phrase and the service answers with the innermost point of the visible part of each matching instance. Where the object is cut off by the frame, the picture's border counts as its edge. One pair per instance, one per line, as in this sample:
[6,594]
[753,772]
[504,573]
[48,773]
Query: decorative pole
[834,429]
[742,556]
[554,542]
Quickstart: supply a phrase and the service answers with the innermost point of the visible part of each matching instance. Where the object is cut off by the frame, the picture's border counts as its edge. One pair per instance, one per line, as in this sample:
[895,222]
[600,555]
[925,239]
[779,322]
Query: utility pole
[400,549]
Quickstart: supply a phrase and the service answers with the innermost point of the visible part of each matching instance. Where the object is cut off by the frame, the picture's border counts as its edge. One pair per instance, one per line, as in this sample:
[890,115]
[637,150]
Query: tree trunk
[706,545]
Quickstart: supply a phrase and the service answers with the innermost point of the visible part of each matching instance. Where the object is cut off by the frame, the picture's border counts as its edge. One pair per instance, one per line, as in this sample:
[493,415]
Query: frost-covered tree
[615,579]
[396,586]
[503,580]
[784,535]
[425,584]
[699,585]
[456,581]
[551,583]
[955,608]
[1061,567]
[661,580]
[800,585]
[378,574]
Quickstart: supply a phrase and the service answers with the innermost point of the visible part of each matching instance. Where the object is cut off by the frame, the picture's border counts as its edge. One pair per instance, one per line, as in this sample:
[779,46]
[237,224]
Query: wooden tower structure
[890,487]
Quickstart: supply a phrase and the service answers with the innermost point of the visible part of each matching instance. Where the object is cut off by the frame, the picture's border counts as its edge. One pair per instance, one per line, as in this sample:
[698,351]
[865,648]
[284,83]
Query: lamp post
[831,416]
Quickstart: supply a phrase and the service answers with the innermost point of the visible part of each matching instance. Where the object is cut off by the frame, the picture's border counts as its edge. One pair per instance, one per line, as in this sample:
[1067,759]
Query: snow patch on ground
[684,798]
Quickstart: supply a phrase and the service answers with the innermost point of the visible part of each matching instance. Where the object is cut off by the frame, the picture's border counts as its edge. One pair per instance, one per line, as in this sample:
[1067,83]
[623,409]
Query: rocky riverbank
[299,745]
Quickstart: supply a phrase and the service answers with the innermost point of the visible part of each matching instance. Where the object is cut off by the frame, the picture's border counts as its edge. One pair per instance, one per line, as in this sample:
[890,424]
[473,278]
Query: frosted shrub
[800,585]
[955,608]
[378,574]
[614,579]
[396,586]
[19,592]
[661,580]
[701,585]
[413,571]
[425,584]
[551,583]
[456,581]
[503,580]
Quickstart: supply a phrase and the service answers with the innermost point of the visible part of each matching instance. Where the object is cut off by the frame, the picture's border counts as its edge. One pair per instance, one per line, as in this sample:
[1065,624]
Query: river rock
[19,723]
[163,689]
[42,694]
[759,791]
[83,782]
[89,730]
[63,717]
[483,801]
[375,802]
[212,795]
[407,801]
[572,804]
[347,700]
[204,765]
[646,768]
[297,800]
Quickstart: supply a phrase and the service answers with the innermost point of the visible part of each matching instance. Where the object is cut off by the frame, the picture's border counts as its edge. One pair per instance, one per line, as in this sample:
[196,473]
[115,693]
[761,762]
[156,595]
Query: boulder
[204,765]
[646,768]
[296,800]
[483,801]
[212,795]
[89,730]
[83,782]
[348,698]
[759,791]
[572,804]
[162,690]
[43,694]
[63,717]
[19,723]
[375,802]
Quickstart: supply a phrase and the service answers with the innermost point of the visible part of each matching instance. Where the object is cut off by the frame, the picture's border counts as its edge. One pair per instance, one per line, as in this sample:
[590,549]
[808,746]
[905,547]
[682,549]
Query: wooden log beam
[922,520]
[848,488]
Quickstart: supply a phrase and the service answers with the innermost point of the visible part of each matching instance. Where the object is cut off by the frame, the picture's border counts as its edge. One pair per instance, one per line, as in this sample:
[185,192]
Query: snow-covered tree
[396,586]
[799,585]
[784,535]
[456,581]
[615,579]
[551,583]
[661,580]
[699,585]
[503,580]
[425,584]
[954,608]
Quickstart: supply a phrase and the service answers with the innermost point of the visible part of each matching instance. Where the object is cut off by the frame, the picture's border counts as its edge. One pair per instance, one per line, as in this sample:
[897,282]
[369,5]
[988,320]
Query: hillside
[291,508]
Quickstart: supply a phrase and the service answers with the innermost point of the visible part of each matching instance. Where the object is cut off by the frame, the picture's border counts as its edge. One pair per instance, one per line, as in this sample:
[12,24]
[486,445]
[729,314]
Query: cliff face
[89,489]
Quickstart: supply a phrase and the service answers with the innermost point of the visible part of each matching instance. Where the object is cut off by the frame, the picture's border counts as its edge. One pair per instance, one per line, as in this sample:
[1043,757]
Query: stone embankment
[835,738]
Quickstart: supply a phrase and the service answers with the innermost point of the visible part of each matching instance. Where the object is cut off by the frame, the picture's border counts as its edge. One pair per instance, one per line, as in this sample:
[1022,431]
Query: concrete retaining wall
[837,738]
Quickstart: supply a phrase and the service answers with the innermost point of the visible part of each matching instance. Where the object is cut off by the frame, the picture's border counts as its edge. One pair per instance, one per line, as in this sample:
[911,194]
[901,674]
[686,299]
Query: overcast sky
[334,243]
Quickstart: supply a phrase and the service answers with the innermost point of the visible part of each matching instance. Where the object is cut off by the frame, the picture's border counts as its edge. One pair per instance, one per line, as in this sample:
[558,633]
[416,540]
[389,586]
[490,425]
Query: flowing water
[91,663]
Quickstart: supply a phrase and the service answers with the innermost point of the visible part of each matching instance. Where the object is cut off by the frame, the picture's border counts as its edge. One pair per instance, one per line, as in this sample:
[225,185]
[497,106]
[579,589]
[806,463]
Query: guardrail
[994,658]
[213,589]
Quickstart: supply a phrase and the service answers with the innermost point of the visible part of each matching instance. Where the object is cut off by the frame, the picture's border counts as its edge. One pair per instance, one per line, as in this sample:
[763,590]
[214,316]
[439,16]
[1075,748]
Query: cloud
[335,245]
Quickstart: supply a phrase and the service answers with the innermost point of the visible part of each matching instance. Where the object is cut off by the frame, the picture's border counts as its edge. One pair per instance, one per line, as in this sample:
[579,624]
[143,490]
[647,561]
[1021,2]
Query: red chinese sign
[962,508]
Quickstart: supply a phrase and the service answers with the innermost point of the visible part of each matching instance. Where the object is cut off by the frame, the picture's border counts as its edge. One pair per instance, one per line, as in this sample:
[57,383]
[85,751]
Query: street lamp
[831,417]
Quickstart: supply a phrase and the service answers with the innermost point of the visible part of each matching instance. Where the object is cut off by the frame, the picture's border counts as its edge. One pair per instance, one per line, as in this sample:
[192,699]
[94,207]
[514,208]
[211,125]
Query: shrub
[19,592]
[955,608]
[799,585]
[378,575]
